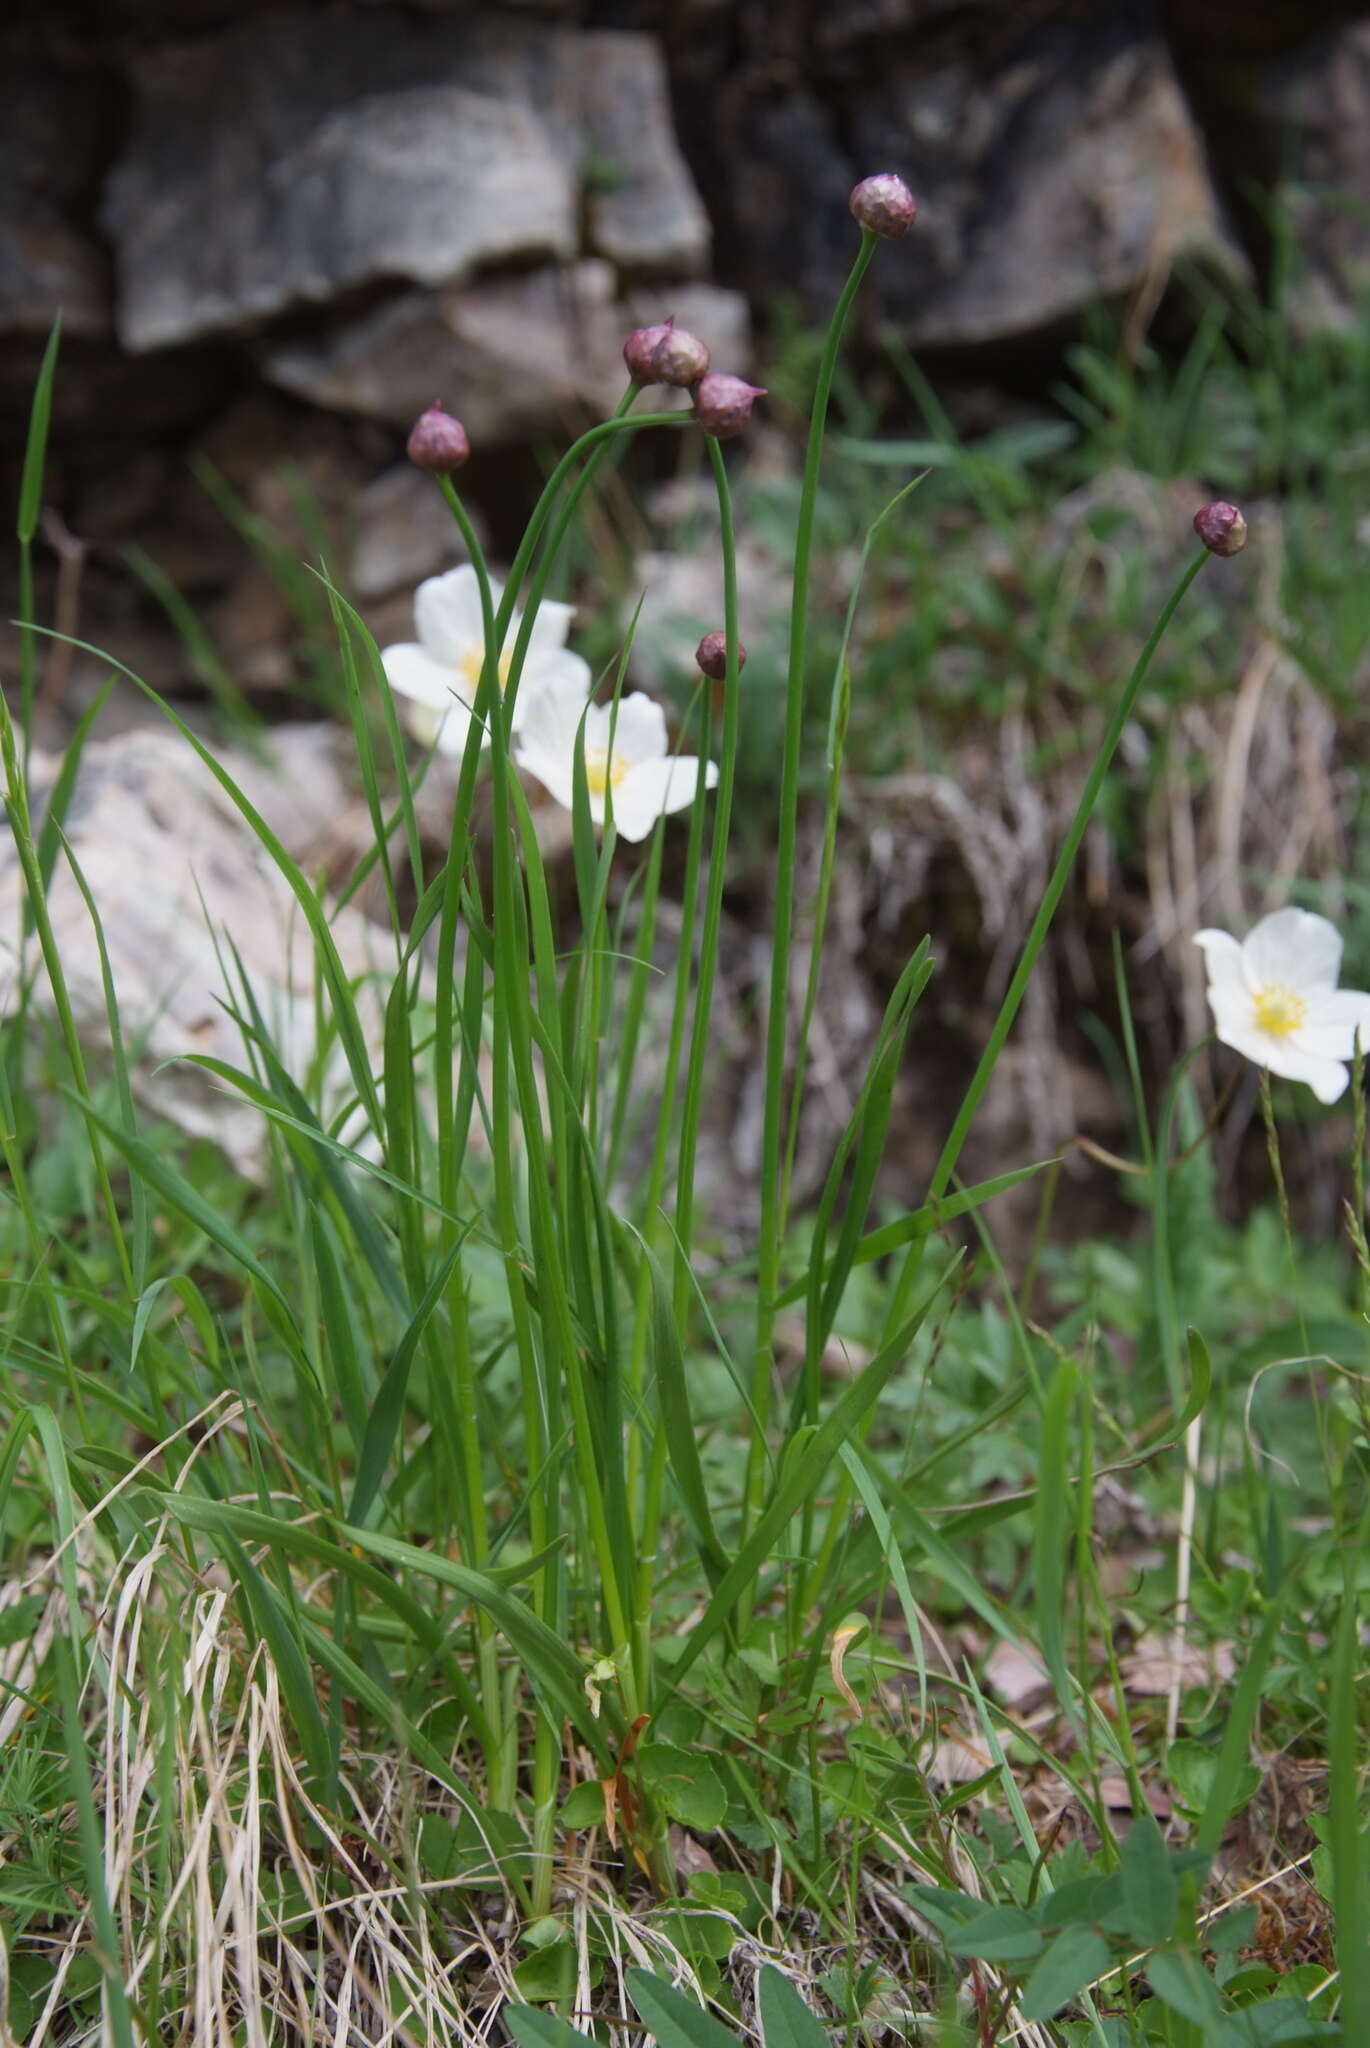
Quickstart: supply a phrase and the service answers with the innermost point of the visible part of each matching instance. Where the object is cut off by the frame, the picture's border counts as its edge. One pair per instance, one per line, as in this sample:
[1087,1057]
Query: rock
[507,358]
[515,357]
[404,533]
[1279,91]
[360,158]
[642,208]
[355,156]
[1054,158]
[50,147]
[1314,109]
[1068,173]
[167,856]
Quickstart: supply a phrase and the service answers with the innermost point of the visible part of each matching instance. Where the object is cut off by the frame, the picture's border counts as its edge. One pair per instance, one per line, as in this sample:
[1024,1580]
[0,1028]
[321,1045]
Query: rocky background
[277,232]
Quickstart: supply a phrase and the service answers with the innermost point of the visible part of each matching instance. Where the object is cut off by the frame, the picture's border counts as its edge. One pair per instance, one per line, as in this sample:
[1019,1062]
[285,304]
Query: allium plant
[498,1454]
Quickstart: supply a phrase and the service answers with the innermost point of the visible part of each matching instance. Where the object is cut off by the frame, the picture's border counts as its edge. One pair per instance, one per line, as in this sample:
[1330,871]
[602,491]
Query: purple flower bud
[438,442]
[712,656]
[639,350]
[681,358]
[1221,528]
[885,205]
[723,405]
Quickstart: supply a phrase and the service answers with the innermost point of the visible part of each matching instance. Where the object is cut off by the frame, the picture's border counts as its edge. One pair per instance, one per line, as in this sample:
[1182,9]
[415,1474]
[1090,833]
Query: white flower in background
[438,675]
[643,776]
[1274,997]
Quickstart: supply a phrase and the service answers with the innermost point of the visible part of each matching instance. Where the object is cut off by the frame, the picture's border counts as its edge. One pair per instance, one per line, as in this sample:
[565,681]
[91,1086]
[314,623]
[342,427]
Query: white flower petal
[548,718]
[550,627]
[1333,1020]
[1223,960]
[562,673]
[654,788]
[1234,1009]
[412,672]
[447,614]
[1294,948]
[1327,1078]
[639,730]
[451,734]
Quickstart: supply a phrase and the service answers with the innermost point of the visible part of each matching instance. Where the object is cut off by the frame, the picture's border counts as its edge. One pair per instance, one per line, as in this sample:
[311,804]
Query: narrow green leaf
[274,1624]
[1347,1843]
[555,1670]
[800,1475]
[60,795]
[387,1411]
[138,1202]
[160,1175]
[1200,1384]
[890,1237]
[940,1556]
[865,1136]
[90,1834]
[354,1384]
[1052,1523]
[36,447]
[673,1397]
[1233,1750]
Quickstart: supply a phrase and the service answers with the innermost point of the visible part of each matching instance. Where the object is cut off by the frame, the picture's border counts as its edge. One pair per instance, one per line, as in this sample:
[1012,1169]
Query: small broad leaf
[1002,1934]
[1281,2023]
[948,1910]
[684,1783]
[1076,1957]
[548,1973]
[1150,1888]
[786,2021]
[583,1806]
[478,1850]
[672,2019]
[1182,1983]
[698,1934]
[532,2028]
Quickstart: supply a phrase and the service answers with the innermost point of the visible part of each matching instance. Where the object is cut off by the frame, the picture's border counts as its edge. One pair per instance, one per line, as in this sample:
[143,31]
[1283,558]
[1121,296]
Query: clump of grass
[440,1594]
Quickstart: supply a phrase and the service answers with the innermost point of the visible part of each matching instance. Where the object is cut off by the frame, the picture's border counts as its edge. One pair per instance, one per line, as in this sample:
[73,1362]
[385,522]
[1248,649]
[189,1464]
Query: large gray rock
[1072,174]
[1055,162]
[517,356]
[173,868]
[1315,110]
[356,156]
[49,156]
[642,209]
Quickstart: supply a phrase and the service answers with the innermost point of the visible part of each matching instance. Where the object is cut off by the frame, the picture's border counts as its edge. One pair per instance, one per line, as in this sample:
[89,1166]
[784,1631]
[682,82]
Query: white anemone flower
[438,675]
[638,769]
[1274,998]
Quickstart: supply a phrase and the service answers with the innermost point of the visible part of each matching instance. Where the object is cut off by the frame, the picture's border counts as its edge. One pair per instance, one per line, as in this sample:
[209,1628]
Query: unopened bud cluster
[884,205]
[665,354]
[723,405]
[438,443]
[1221,528]
[712,656]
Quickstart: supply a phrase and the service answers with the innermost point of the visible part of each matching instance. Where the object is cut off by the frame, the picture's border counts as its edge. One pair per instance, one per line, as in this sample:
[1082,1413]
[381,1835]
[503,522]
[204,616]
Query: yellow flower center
[1279,1010]
[472,661]
[600,772]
